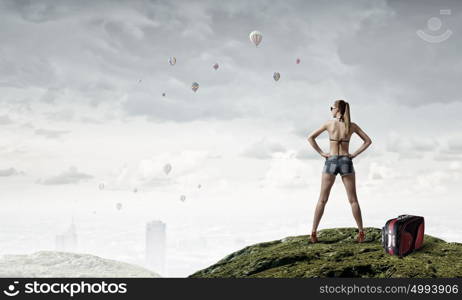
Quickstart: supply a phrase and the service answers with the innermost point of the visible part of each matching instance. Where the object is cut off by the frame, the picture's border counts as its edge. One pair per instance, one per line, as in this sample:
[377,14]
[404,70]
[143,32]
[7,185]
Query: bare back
[339,137]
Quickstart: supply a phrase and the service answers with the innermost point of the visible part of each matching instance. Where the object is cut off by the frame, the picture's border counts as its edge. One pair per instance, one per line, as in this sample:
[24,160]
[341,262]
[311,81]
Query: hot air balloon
[297,61]
[172,60]
[182,198]
[256,37]
[167,168]
[276,76]
[215,66]
[101,186]
[119,206]
[195,86]
[163,94]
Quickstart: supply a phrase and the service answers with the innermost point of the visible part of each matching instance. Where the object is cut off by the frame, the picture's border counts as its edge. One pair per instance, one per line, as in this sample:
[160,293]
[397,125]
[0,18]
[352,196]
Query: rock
[67,264]
[337,255]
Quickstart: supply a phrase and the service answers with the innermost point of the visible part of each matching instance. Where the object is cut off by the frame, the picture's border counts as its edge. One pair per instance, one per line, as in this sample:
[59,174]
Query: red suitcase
[403,235]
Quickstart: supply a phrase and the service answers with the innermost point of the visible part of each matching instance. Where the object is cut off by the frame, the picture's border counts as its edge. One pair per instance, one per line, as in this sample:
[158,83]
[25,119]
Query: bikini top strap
[338,144]
[339,140]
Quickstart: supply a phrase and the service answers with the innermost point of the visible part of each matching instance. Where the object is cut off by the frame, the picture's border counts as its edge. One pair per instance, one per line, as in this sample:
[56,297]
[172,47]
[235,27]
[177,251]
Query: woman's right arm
[312,141]
[367,140]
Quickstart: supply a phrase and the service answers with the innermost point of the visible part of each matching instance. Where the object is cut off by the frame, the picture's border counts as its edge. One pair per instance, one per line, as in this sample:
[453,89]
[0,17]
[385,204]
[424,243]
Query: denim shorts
[335,164]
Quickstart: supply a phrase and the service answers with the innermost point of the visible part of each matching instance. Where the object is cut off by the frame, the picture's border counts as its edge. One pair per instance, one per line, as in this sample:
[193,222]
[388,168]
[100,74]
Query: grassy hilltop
[338,255]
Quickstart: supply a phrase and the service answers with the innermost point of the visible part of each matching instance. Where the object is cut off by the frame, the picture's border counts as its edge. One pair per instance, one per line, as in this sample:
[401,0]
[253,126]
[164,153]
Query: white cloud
[434,181]
[401,143]
[286,171]
[5,120]
[72,175]
[9,172]
[308,153]
[263,149]
[145,174]
[51,134]
[381,170]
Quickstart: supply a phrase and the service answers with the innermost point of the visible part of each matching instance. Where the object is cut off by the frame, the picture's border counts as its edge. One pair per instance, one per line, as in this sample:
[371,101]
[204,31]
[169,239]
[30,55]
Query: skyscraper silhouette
[155,246]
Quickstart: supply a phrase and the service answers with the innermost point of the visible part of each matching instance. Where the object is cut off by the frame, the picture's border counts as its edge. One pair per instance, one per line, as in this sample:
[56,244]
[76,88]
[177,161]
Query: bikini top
[339,140]
[338,144]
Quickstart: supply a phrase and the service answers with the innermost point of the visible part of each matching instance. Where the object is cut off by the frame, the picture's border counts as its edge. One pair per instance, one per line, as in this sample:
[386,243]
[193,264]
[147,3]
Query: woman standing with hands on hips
[339,160]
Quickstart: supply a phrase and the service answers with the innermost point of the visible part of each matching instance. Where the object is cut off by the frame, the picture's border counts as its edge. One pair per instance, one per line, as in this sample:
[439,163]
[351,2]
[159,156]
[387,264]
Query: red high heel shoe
[361,236]
[313,237]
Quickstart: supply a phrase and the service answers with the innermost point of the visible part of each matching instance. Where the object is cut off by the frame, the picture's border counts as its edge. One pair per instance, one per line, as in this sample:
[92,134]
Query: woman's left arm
[367,140]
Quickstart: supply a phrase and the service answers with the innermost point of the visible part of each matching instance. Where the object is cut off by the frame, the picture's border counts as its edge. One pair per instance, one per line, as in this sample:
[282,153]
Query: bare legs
[350,185]
[327,181]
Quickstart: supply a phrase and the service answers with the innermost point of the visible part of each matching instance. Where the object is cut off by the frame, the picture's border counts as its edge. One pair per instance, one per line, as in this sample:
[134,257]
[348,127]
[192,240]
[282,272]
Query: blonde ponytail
[345,114]
[347,117]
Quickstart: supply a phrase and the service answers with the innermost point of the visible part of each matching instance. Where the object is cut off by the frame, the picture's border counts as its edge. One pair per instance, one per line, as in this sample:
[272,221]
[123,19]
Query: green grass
[338,255]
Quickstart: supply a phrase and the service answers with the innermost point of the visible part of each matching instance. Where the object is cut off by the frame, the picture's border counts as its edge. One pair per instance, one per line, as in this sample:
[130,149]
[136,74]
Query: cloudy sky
[81,105]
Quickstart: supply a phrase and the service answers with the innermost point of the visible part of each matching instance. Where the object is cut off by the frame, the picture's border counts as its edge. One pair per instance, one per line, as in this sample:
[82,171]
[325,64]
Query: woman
[338,160]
